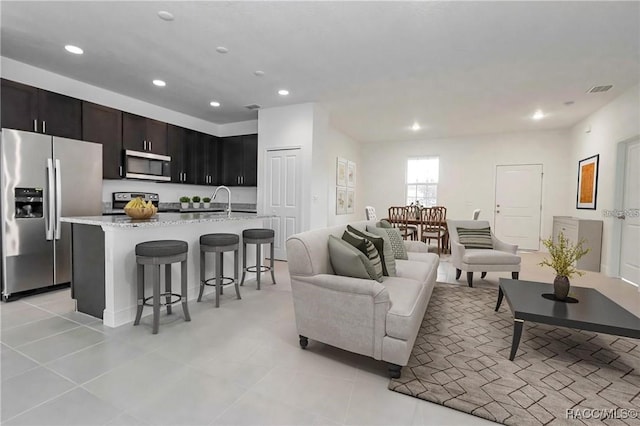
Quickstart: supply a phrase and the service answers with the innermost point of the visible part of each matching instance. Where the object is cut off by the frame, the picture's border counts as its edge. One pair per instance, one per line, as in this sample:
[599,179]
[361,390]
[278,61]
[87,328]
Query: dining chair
[398,218]
[433,226]
[370,213]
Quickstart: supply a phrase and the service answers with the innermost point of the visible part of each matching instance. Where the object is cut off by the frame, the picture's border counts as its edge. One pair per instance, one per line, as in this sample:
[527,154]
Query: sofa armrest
[345,312]
[502,246]
[416,246]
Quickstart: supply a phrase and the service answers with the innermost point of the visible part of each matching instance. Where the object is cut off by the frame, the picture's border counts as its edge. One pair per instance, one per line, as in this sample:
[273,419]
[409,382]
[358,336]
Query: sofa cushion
[415,270]
[477,238]
[355,240]
[384,223]
[384,250]
[405,296]
[395,239]
[489,257]
[348,261]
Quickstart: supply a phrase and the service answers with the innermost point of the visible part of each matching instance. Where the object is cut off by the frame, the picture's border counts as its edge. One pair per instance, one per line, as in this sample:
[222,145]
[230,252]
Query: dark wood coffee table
[593,312]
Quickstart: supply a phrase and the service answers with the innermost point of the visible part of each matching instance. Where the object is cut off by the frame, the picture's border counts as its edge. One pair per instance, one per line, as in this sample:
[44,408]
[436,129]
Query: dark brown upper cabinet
[185,157]
[208,162]
[239,160]
[103,125]
[144,134]
[37,110]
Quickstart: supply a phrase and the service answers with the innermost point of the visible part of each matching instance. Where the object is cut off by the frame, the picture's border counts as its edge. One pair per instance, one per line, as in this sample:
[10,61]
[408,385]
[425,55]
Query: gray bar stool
[156,253]
[219,243]
[257,236]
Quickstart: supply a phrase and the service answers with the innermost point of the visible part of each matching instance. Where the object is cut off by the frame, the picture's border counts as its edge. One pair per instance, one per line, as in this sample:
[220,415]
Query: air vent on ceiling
[252,107]
[598,89]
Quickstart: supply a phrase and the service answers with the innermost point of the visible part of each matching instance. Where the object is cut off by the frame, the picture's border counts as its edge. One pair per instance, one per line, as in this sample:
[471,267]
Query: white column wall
[600,133]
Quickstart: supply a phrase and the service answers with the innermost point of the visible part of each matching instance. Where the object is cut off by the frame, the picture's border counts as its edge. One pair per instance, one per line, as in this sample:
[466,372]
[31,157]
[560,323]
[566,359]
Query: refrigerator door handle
[58,200]
[50,208]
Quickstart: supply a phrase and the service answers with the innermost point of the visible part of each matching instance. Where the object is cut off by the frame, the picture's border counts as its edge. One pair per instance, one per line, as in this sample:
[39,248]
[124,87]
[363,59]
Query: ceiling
[456,68]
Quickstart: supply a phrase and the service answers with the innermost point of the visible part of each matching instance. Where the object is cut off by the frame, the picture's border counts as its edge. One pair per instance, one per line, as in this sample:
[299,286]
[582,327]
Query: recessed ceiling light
[538,115]
[159,83]
[258,73]
[166,16]
[222,49]
[215,104]
[415,127]
[73,49]
[283,92]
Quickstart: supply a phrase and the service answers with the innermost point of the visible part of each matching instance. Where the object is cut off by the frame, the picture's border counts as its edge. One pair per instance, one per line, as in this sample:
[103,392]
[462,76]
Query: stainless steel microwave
[145,165]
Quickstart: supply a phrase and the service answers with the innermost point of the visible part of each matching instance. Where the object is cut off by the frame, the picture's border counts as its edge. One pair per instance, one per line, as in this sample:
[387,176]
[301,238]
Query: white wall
[27,74]
[600,133]
[340,145]
[287,127]
[467,172]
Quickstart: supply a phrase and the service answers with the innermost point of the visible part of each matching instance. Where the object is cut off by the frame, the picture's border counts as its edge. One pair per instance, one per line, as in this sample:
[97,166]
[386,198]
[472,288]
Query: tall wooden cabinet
[104,125]
[239,160]
[575,229]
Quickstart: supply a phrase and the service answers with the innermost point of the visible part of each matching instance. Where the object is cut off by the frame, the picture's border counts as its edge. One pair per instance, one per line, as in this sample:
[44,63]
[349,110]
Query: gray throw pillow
[384,224]
[479,238]
[389,234]
[383,245]
[348,261]
[395,239]
[368,248]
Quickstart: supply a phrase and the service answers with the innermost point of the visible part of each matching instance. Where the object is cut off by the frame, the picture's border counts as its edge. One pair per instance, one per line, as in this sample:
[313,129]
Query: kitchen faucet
[213,197]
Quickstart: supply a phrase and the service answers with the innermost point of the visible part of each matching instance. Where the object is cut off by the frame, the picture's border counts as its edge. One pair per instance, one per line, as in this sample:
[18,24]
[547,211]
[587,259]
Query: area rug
[559,376]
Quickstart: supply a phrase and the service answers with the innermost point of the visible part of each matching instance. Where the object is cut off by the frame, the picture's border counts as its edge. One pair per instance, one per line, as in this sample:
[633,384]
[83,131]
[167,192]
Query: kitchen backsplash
[171,192]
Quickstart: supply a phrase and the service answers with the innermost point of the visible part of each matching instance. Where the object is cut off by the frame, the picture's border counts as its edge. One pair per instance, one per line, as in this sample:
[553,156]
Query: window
[422,180]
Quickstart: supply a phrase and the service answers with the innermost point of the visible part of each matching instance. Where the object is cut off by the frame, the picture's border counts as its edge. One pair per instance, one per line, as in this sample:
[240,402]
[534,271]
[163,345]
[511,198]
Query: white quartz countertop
[161,219]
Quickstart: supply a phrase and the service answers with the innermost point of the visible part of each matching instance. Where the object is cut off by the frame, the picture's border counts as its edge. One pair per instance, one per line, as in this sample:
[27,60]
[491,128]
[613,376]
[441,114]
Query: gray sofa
[380,320]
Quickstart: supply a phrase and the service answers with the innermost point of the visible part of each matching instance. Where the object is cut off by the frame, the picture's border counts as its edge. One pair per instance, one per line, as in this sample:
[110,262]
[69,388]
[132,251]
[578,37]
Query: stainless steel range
[120,199]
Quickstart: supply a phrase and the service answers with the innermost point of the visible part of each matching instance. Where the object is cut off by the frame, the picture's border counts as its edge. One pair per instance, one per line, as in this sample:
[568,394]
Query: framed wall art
[341,172]
[351,174]
[351,201]
[341,200]
[588,183]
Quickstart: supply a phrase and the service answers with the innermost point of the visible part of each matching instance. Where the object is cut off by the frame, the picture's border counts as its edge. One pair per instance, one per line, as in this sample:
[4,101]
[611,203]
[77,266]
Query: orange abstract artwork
[586,183]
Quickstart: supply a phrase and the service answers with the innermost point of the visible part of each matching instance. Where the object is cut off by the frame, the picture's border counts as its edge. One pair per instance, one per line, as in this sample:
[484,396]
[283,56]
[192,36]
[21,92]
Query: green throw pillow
[348,261]
[366,247]
[384,249]
[395,240]
[479,238]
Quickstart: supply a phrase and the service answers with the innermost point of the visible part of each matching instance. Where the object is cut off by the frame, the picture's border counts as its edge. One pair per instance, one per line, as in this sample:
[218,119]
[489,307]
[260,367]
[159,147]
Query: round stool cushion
[161,248]
[219,240]
[258,233]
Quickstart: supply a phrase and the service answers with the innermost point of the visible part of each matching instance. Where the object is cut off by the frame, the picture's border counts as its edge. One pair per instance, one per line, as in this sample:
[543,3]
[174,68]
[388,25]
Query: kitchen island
[104,262]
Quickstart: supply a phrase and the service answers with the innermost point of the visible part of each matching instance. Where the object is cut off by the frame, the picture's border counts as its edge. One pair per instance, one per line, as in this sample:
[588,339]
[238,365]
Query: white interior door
[630,241]
[283,196]
[518,205]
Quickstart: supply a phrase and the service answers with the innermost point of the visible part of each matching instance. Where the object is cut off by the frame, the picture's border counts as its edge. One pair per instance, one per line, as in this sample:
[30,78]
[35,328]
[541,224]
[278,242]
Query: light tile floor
[239,364]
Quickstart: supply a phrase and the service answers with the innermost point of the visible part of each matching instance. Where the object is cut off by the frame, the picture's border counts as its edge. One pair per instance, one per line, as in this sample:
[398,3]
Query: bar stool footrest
[173,302]
[263,268]
[212,281]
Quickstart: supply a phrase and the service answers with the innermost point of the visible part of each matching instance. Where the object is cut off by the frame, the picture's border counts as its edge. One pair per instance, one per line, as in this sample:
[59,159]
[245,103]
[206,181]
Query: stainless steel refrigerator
[42,179]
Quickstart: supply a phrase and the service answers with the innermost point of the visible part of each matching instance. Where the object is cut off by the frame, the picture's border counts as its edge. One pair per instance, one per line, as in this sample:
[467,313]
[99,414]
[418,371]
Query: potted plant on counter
[206,202]
[184,202]
[196,201]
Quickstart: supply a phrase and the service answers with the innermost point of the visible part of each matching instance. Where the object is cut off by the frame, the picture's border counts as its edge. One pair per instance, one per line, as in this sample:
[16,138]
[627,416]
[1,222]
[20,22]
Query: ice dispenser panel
[28,203]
